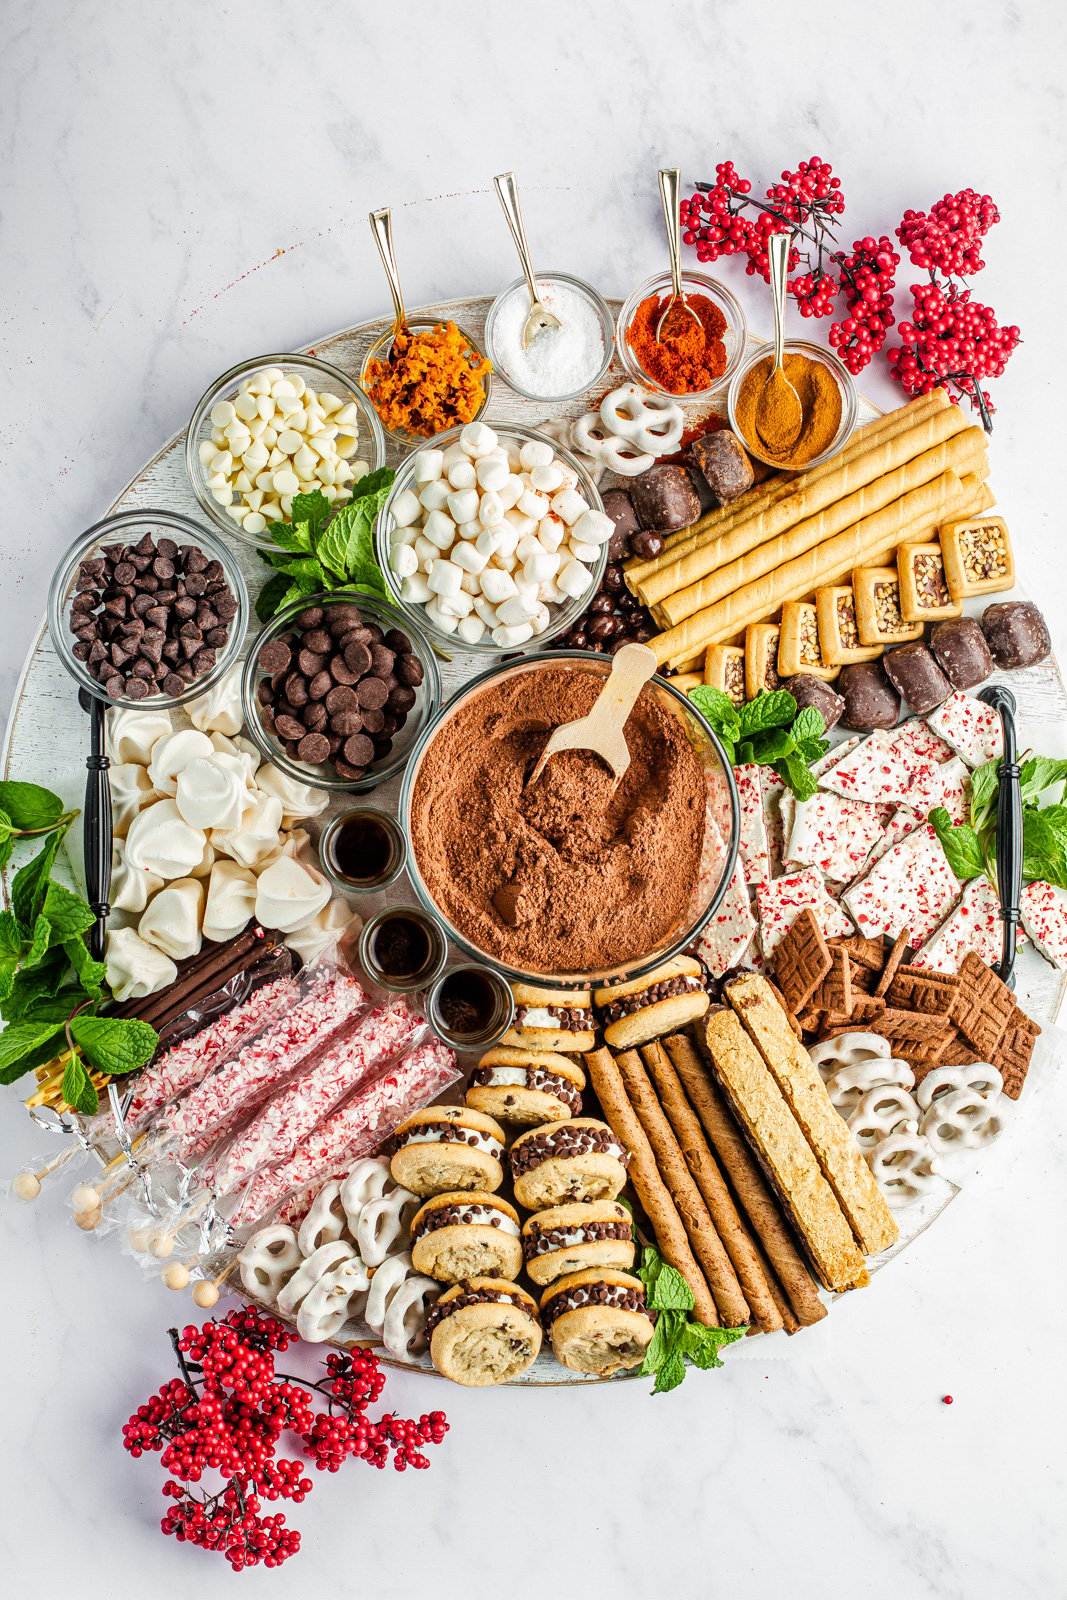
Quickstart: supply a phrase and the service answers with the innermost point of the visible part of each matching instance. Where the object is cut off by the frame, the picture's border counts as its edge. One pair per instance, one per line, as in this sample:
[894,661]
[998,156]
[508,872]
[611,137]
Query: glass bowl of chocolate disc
[576,879]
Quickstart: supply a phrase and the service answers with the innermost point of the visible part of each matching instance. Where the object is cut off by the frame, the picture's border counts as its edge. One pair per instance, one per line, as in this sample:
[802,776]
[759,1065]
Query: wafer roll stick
[652,1192]
[905,519]
[707,1246]
[709,1180]
[790,1321]
[750,1186]
[763,496]
[739,562]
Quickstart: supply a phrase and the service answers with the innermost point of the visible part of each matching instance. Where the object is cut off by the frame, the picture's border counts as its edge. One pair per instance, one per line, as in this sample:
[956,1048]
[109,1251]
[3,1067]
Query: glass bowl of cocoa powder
[577,879]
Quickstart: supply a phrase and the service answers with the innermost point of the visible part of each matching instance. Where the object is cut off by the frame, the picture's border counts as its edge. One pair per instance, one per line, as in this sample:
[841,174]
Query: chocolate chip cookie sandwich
[665,1001]
[484,1331]
[448,1147]
[466,1234]
[580,1159]
[598,1321]
[526,1086]
[587,1234]
[552,1019]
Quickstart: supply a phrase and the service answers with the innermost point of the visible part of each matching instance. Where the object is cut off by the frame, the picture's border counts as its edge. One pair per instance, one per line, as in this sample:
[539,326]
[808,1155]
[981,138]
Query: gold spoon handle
[669,189]
[508,194]
[381,226]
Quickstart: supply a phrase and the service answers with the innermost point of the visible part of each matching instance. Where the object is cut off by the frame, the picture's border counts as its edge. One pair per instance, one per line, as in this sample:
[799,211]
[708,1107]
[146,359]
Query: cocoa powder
[587,873]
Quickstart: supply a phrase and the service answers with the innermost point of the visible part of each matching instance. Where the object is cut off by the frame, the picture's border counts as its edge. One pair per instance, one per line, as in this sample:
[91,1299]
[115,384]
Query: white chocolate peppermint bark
[917,736]
[883,770]
[902,822]
[1044,910]
[950,786]
[834,756]
[753,851]
[835,835]
[730,931]
[774,792]
[912,887]
[781,900]
[973,925]
[971,727]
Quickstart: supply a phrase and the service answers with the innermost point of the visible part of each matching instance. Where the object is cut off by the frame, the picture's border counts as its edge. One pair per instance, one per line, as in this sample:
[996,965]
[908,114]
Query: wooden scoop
[601,730]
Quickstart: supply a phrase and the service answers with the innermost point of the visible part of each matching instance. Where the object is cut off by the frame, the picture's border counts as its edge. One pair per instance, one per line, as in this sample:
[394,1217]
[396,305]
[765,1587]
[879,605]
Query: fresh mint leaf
[670,1292]
[20,1040]
[28,806]
[702,1345]
[374,486]
[313,509]
[115,1044]
[796,775]
[45,980]
[1038,774]
[30,883]
[770,709]
[670,1373]
[67,913]
[960,844]
[809,724]
[9,966]
[7,847]
[343,542]
[13,937]
[292,537]
[743,754]
[717,709]
[811,750]
[39,944]
[366,576]
[269,599]
[91,974]
[649,1270]
[772,746]
[78,1090]
[1043,852]
[984,783]
[657,1348]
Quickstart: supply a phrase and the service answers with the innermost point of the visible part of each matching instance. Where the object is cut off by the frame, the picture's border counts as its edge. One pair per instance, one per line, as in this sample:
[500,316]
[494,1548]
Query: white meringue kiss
[299,800]
[131,887]
[242,750]
[131,734]
[257,835]
[327,929]
[172,921]
[131,791]
[231,901]
[162,841]
[219,711]
[213,792]
[206,862]
[174,752]
[289,895]
[135,967]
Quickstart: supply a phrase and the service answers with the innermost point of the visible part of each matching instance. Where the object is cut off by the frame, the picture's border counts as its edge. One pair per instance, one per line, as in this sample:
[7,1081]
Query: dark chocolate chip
[313,747]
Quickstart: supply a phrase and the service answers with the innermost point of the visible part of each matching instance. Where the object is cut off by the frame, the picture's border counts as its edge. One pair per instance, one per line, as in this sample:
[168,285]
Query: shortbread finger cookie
[551,1019]
[442,1148]
[527,1087]
[581,1159]
[466,1235]
[574,1238]
[483,1332]
[668,999]
[598,1321]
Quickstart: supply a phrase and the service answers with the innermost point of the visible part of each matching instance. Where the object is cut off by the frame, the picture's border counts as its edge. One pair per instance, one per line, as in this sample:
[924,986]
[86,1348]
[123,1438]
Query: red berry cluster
[948,237]
[227,1412]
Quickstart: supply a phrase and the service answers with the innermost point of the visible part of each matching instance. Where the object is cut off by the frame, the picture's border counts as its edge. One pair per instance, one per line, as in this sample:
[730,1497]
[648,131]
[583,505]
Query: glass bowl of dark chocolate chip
[337,689]
[147,608]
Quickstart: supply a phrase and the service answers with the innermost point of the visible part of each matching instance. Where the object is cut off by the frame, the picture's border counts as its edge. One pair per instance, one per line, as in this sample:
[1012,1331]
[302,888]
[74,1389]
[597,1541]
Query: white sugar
[561,360]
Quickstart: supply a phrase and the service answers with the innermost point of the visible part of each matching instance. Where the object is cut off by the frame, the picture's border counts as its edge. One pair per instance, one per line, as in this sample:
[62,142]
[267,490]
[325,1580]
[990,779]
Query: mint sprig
[769,731]
[323,548]
[676,1339]
[971,846]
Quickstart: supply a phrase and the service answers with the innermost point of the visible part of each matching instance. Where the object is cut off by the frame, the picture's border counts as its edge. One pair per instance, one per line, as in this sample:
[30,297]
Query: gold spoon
[538,320]
[669,188]
[381,226]
[779,413]
[601,729]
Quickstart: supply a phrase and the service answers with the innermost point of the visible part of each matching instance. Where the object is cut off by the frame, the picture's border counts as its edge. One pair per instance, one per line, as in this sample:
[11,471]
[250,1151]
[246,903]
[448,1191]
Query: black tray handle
[97,823]
[1009,831]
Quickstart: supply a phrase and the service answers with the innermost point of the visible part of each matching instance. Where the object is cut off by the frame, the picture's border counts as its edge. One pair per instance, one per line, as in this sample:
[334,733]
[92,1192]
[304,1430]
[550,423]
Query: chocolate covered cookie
[581,1159]
[483,1332]
[598,1321]
[526,1086]
[466,1234]
[574,1238]
[448,1147]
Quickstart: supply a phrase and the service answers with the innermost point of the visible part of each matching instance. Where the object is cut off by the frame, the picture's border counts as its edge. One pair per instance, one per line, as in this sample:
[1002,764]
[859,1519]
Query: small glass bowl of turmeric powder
[690,362]
[828,399]
[430,377]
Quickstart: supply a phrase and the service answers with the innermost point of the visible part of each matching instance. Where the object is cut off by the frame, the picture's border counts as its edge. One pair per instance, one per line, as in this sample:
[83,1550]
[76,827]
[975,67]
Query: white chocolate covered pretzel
[848,1048]
[268,1261]
[404,1329]
[326,1221]
[980,1078]
[904,1168]
[383,1225]
[324,1260]
[961,1120]
[882,1111]
[383,1286]
[369,1179]
[593,438]
[650,422]
[338,1295]
[848,1085]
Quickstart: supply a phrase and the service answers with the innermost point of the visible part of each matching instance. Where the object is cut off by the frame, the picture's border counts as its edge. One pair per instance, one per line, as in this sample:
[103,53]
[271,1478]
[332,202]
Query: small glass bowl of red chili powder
[691,362]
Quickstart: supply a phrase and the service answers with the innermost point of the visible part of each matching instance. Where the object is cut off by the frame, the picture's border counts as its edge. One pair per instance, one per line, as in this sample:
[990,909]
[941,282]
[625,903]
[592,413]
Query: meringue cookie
[331,925]
[131,734]
[174,752]
[161,840]
[257,835]
[289,895]
[242,750]
[131,791]
[299,800]
[219,711]
[206,862]
[131,887]
[213,791]
[231,901]
[134,967]
[172,921]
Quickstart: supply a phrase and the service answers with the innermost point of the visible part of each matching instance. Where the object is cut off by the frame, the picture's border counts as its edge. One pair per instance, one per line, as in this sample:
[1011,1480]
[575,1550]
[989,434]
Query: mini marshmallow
[415,591]
[551,532]
[455,605]
[574,579]
[478,439]
[509,638]
[593,527]
[406,509]
[520,522]
[533,505]
[439,618]
[468,531]
[461,474]
[498,585]
[426,551]
[428,467]
[469,557]
[488,541]
[445,578]
[528,546]
[492,471]
[486,611]
[471,629]
[569,506]
[403,560]
[536,453]
[463,505]
[510,491]
[582,551]
[472,583]
[439,529]
[540,619]
[541,567]
[434,497]
[517,610]
[451,456]
[491,509]
[546,480]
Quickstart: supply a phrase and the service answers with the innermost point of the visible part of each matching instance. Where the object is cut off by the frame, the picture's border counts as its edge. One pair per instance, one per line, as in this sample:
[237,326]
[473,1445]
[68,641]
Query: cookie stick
[709,1181]
[748,1181]
[707,1246]
[651,1190]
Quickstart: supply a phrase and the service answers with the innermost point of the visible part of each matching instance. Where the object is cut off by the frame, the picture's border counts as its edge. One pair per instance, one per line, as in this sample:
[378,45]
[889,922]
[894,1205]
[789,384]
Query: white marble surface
[183,186]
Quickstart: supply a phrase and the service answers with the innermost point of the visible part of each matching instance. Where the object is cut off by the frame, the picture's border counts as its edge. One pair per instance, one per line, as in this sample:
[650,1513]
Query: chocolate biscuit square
[835,991]
[1012,1056]
[802,960]
[893,960]
[916,989]
[982,1006]
[861,951]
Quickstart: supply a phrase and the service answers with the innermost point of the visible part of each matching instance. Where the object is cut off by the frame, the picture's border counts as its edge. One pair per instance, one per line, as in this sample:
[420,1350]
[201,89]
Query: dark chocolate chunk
[1016,633]
[357,657]
[723,462]
[310,617]
[870,699]
[398,642]
[371,692]
[320,686]
[359,750]
[962,652]
[319,641]
[313,747]
[664,499]
[401,698]
[408,670]
[916,676]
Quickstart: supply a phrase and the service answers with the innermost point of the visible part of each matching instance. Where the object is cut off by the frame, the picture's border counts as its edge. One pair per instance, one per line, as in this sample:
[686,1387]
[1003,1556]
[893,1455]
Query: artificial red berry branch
[226,1414]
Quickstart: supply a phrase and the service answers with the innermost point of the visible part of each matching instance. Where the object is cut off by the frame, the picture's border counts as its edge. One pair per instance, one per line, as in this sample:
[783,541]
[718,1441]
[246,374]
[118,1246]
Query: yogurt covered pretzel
[650,422]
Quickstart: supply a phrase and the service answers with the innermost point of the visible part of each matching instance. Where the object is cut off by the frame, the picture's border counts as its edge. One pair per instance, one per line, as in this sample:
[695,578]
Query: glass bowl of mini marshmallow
[493,539]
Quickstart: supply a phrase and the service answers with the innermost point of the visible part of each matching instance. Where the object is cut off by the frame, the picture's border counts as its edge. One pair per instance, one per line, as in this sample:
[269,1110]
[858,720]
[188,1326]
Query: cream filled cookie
[580,1159]
[563,1239]
[665,1001]
[598,1321]
[466,1234]
[442,1148]
[526,1086]
[484,1331]
[552,1019]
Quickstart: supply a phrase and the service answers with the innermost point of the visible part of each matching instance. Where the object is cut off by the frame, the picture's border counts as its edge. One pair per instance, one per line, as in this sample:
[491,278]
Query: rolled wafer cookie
[826,1131]
[708,1247]
[652,1192]
[764,1113]
[709,1180]
[749,1185]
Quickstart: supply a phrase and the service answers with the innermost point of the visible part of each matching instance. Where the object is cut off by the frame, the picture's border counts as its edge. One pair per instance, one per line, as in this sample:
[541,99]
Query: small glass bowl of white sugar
[561,363]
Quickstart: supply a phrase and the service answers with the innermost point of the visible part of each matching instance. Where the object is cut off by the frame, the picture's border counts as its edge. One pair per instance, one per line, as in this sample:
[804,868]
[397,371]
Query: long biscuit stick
[651,1189]
[708,1248]
[749,1184]
[709,1180]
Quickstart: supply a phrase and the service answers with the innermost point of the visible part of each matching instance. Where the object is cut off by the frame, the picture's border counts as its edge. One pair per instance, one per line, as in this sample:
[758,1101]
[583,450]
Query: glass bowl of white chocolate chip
[493,540]
[272,428]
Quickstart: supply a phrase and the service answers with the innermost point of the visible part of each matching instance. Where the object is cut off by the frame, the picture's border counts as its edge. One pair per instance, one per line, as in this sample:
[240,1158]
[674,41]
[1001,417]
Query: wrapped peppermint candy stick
[277,1129]
[359,1127]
